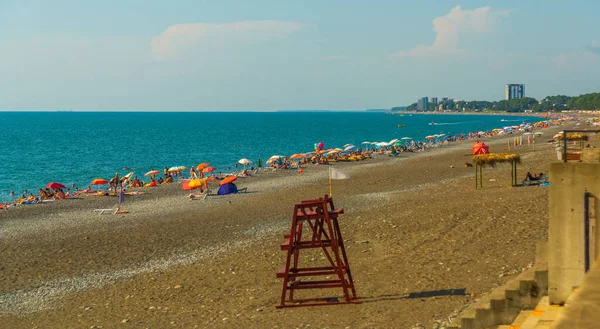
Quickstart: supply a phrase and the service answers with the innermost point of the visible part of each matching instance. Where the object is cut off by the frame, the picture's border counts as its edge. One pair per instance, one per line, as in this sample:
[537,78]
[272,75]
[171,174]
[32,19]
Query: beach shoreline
[62,258]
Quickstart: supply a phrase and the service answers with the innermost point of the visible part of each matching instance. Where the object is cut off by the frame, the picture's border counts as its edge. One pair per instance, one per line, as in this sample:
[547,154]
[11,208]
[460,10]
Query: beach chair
[543,180]
[114,211]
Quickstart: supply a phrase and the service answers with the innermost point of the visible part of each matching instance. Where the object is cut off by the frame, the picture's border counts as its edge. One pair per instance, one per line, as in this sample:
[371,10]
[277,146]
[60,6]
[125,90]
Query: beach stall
[491,160]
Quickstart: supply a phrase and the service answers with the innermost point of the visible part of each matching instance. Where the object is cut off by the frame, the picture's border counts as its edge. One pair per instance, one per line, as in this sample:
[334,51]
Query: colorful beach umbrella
[208,169]
[185,186]
[99,181]
[176,169]
[195,183]
[55,185]
[152,172]
[202,166]
[227,180]
[297,156]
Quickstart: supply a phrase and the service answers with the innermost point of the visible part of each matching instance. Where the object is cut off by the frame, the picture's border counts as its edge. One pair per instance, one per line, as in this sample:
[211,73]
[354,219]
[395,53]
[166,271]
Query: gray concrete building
[514,91]
[422,104]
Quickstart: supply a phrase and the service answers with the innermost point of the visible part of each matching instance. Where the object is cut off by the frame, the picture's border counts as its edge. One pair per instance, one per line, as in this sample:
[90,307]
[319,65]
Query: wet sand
[412,223]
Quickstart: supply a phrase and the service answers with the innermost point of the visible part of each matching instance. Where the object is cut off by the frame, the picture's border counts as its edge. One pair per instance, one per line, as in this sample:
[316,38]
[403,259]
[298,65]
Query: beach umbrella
[406,138]
[297,156]
[480,148]
[320,146]
[202,166]
[429,137]
[55,185]
[394,141]
[366,143]
[348,148]
[99,181]
[346,145]
[152,172]
[208,169]
[176,169]
[227,180]
[195,183]
[186,187]
[127,177]
[259,163]
[244,162]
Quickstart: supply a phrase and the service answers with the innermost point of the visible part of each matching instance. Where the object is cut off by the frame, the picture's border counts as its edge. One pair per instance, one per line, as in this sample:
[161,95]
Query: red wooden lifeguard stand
[319,219]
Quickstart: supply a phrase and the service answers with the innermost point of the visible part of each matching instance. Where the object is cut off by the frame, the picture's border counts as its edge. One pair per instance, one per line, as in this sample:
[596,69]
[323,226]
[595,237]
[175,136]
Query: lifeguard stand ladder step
[319,220]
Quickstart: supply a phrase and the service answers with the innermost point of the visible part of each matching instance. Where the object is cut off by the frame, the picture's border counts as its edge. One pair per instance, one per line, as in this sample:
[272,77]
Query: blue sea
[76,147]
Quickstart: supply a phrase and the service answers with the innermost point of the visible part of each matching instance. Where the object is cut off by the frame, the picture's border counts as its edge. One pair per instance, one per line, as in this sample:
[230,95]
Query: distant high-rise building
[423,104]
[444,99]
[514,91]
[434,100]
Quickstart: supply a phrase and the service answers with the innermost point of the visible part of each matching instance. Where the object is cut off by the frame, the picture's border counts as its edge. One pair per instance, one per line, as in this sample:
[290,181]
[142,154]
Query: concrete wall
[582,309]
[566,261]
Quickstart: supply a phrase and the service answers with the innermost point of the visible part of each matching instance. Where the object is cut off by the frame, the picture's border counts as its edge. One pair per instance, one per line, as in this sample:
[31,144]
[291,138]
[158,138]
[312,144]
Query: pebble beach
[412,223]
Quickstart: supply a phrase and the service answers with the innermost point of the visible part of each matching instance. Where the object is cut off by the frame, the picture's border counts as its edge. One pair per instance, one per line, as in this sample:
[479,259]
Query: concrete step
[507,303]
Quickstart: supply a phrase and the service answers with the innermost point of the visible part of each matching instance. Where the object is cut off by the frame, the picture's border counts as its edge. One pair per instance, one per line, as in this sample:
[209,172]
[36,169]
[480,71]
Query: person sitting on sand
[88,190]
[31,197]
[41,194]
[60,194]
[168,180]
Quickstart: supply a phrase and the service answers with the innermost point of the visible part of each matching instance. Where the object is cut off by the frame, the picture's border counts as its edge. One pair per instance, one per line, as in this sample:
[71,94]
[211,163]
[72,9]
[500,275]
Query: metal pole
[564,146]
[476,174]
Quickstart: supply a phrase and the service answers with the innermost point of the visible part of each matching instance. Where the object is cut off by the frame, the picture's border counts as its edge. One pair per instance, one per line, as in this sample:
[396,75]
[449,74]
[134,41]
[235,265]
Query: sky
[259,55]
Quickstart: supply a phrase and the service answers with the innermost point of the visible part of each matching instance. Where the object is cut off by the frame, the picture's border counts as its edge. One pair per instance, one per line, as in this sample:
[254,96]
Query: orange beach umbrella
[152,172]
[208,169]
[227,180]
[186,187]
[202,166]
[99,181]
[480,148]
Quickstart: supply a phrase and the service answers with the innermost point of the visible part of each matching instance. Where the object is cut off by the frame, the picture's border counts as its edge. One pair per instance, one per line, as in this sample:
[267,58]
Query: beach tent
[227,189]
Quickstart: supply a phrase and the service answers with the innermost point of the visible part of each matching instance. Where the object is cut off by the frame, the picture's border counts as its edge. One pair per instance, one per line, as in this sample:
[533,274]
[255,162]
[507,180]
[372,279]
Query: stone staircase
[506,303]
[542,317]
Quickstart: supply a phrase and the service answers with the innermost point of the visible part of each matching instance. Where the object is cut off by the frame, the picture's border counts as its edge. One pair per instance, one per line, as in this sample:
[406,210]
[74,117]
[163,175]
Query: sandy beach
[412,223]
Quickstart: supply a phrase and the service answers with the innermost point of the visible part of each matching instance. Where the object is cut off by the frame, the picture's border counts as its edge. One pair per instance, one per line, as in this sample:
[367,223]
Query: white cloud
[451,27]
[181,40]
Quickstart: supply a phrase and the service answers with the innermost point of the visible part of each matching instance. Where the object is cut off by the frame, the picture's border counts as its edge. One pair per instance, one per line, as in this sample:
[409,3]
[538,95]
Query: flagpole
[330,190]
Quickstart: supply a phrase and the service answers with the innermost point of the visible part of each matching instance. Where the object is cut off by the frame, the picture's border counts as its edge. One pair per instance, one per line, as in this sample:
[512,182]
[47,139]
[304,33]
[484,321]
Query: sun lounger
[541,181]
[114,211]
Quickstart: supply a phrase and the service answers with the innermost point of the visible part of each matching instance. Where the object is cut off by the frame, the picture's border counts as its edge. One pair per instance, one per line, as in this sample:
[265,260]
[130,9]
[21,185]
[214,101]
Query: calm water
[74,147]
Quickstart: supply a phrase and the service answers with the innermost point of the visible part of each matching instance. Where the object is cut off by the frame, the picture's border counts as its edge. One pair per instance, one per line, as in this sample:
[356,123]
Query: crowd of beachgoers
[198,177]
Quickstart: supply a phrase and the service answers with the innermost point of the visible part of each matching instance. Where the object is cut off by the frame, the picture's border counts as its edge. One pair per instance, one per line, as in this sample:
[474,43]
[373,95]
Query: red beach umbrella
[99,181]
[208,169]
[227,180]
[55,185]
[480,148]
